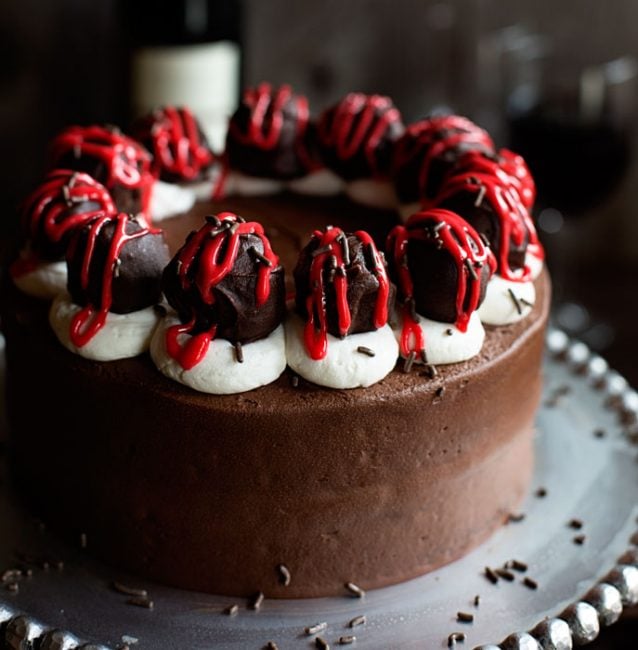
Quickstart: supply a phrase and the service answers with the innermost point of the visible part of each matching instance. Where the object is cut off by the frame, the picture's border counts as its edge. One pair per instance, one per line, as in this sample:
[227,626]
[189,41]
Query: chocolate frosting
[356,136]
[363,287]
[234,308]
[431,141]
[268,135]
[136,280]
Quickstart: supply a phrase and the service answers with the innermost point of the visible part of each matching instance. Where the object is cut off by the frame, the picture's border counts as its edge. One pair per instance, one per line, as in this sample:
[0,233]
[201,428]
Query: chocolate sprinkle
[516,301]
[365,350]
[515,518]
[454,638]
[409,361]
[449,331]
[529,583]
[271,645]
[576,524]
[311,630]
[257,601]
[600,433]
[357,620]
[141,602]
[470,269]
[231,610]
[321,251]
[541,493]
[259,256]
[129,591]
[490,574]
[439,391]
[347,639]
[464,617]
[516,565]
[284,575]
[355,590]
[579,540]
[239,352]
[294,381]
[477,600]
[322,644]
[505,574]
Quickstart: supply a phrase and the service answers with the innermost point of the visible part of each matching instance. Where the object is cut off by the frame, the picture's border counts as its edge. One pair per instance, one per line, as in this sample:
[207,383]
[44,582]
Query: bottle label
[204,77]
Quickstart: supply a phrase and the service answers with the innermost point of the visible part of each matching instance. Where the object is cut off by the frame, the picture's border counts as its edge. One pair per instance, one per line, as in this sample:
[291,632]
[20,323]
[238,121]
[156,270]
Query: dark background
[67,61]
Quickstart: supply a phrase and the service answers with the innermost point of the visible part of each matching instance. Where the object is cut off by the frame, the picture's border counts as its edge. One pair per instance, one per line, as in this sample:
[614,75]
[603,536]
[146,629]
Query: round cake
[291,488]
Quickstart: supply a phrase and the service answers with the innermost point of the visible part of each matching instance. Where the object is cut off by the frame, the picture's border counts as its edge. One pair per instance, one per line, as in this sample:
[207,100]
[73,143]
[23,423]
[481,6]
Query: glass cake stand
[574,544]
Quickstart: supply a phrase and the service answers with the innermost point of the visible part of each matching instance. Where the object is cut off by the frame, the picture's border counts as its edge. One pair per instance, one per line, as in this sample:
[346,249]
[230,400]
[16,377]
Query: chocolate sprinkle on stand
[576,524]
[579,540]
[505,574]
[239,352]
[515,518]
[516,565]
[366,350]
[311,630]
[129,591]
[355,590]
[599,433]
[541,493]
[141,602]
[257,601]
[449,331]
[529,583]
[284,575]
[347,639]
[464,617]
[454,638]
[477,600]
[357,620]
[322,644]
[271,645]
[490,574]
[231,610]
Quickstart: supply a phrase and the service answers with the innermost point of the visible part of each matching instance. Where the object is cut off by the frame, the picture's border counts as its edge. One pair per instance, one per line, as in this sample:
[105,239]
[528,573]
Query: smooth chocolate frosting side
[212,493]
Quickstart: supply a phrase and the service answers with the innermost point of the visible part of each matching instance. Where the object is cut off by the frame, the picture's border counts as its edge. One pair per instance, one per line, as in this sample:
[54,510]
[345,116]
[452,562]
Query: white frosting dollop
[372,193]
[500,306]
[535,264]
[169,199]
[121,336]
[343,366]
[322,182]
[445,343]
[219,372]
[46,281]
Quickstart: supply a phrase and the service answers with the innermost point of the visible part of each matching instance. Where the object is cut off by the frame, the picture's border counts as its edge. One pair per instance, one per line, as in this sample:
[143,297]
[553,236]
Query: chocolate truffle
[441,266]
[269,135]
[356,137]
[341,285]
[181,152]
[120,163]
[429,149]
[65,201]
[494,208]
[227,281]
[115,264]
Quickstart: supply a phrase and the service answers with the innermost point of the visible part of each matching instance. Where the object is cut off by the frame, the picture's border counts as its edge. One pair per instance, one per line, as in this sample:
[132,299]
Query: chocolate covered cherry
[226,281]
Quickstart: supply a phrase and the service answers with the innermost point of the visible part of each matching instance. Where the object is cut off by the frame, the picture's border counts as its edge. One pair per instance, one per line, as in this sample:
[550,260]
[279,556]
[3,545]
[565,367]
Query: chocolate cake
[291,488]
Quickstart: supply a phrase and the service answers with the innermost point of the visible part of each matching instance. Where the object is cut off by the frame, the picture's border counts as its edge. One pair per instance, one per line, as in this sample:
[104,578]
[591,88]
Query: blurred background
[556,82]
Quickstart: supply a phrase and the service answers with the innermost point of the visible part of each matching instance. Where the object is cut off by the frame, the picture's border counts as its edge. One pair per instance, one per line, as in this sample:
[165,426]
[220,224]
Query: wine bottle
[186,53]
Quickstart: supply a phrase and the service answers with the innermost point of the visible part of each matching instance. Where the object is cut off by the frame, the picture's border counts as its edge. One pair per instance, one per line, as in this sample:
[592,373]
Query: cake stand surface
[577,540]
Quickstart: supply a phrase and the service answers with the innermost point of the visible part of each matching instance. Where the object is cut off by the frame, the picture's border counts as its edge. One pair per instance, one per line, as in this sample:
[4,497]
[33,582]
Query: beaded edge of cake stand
[578,624]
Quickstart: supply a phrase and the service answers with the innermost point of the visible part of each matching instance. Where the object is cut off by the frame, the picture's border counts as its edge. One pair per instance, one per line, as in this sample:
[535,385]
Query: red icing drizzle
[431,138]
[90,319]
[46,211]
[376,114]
[333,245]
[458,238]
[127,163]
[177,146]
[215,248]
[514,218]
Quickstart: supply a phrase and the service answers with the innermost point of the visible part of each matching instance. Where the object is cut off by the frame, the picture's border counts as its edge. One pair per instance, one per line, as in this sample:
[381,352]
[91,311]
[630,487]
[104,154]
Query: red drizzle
[508,166]
[515,220]
[449,231]
[90,319]
[332,254]
[177,146]
[214,248]
[431,138]
[46,217]
[375,113]
[127,163]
